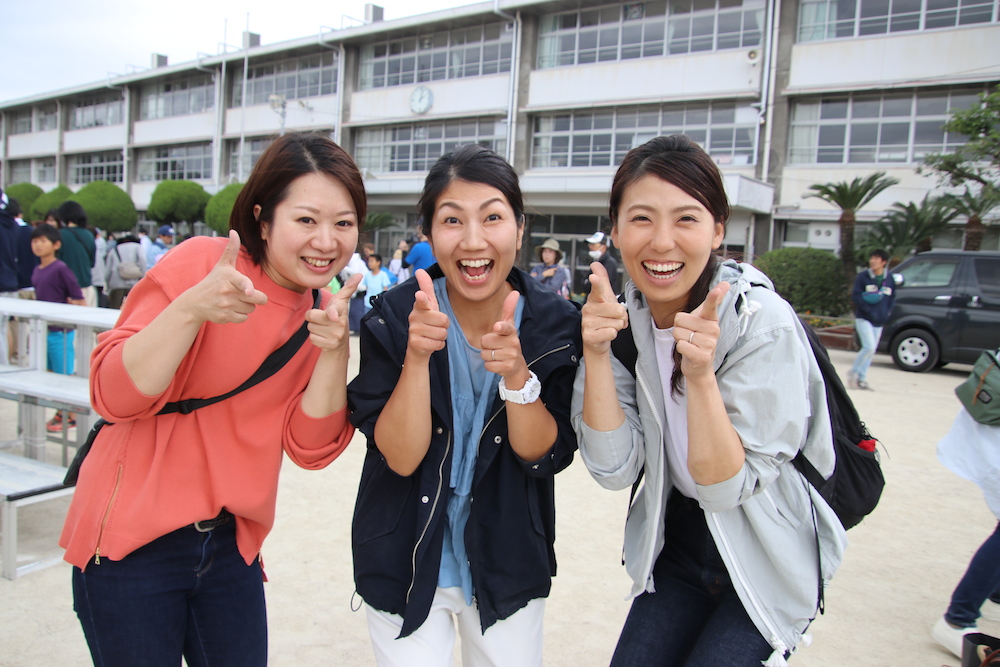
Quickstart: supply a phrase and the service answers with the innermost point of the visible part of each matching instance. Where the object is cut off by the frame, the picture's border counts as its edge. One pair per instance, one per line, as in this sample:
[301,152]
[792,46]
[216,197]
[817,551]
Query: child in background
[376,280]
[54,281]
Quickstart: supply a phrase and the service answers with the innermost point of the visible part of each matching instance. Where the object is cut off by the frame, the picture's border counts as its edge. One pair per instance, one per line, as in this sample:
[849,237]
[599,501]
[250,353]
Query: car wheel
[915,350]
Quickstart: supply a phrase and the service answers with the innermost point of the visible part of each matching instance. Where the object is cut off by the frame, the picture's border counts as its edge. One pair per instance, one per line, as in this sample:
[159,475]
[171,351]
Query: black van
[947,309]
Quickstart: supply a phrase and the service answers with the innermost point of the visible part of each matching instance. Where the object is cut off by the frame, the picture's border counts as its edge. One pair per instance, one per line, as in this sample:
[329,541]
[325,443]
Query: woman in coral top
[170,511]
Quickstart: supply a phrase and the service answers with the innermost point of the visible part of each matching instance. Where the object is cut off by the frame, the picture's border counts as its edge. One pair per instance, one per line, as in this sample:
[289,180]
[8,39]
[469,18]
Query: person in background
[599,252]
[126,250]
[397,265]
[551,272]
[421,255]
[164,239]
[8,269]
[97,272]
[873,296]
[55,282]
[454,413]
[144,240]
[53,218]
[376,279]
[358,264]
[78,248]
[727,545]
[972,450]
[26,260]
[165,528]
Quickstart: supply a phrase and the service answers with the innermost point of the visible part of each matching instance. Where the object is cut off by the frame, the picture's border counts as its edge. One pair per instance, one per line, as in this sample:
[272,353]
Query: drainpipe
[771,61]
[515,64]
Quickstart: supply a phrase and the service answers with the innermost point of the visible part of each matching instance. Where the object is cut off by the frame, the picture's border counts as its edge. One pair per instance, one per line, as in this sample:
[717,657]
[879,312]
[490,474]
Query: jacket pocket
[382,498]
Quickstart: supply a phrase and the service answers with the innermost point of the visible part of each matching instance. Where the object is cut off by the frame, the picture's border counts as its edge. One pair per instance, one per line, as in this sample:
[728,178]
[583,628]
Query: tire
[915,350]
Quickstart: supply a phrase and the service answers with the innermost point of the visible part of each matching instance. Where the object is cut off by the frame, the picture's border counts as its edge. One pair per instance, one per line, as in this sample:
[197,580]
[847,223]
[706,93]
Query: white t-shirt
[675,412]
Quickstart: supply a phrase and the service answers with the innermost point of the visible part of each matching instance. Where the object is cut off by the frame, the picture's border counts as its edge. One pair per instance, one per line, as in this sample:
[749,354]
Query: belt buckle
[208,527]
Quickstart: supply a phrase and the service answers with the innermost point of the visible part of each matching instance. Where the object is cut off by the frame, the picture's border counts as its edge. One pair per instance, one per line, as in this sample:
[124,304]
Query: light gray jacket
[760,518]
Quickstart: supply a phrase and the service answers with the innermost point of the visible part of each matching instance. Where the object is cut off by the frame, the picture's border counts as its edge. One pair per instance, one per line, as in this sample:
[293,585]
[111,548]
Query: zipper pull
[97,556]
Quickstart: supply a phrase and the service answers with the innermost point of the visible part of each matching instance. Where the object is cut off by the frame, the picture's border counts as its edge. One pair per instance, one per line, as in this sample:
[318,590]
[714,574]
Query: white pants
[514,641]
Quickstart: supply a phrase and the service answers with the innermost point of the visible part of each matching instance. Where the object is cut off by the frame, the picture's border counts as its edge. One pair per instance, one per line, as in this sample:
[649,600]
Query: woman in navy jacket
[464,395]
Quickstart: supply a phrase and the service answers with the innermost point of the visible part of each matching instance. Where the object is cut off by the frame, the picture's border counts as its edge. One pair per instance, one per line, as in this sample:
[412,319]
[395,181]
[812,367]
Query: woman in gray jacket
[124,266]
[727,544]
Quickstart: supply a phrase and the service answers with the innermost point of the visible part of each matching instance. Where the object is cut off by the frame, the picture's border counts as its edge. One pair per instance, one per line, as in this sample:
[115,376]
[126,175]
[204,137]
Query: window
[20,122]
[648,29]
[602,138]
[929,272]
[863,128]
[107,166]
[452,54]
[988,276]
[177,98]
[417,147]
[96,112]
[20,171]
[45,170]
[830,19]
[294,78]
[252,150]
[48,118]
[191,162]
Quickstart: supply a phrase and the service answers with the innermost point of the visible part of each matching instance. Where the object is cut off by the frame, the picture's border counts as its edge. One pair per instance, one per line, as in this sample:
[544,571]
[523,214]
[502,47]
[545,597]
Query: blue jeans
[60,353]
[695,617]
[869,335]
[981,581]
[186,593]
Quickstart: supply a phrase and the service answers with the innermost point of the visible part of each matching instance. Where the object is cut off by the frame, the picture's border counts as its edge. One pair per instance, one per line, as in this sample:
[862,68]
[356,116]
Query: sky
[53,44]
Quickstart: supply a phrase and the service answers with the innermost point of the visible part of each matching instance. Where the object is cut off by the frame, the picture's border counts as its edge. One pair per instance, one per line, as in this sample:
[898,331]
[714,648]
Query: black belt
[222,519]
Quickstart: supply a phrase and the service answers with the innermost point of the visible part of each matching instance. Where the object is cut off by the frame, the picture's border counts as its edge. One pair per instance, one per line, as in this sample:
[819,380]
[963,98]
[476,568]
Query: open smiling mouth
[663,270]
[475,270]
[318,263]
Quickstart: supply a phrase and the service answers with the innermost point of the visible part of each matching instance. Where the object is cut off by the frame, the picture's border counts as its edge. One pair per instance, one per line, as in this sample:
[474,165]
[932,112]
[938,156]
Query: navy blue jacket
[8,252]
[399,521]
[26,260]
[881,298]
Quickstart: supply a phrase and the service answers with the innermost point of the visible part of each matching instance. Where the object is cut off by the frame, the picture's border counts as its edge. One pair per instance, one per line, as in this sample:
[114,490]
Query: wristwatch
[529,393]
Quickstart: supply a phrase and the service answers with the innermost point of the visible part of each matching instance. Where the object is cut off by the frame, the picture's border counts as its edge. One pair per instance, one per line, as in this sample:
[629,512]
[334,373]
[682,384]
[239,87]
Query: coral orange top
[148,475]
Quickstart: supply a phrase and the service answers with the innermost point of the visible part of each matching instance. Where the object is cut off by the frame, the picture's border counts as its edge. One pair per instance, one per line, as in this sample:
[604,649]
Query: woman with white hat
[551,273]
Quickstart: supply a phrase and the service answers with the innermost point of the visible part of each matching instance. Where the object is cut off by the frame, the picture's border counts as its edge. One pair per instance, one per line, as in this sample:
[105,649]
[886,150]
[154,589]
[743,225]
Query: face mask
[595,254]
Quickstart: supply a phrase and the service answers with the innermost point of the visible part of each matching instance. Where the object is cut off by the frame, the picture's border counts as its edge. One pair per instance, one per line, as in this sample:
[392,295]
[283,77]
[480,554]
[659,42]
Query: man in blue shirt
[159,247]
[873,296]
[421,256]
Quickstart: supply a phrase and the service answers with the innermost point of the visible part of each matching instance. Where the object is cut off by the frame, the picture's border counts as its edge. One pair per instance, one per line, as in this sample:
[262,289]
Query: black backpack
[854,488]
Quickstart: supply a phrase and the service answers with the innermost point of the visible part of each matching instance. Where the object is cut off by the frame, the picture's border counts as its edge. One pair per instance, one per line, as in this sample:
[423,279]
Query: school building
[782,93]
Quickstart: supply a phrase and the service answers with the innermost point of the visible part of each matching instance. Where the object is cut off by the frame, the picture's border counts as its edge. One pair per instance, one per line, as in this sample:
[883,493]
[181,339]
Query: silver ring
[493,355]
[691,338]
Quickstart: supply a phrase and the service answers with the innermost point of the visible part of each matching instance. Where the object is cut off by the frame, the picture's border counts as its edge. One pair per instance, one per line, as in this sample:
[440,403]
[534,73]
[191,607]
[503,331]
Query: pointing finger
[427,287]
[232,250]
[709,309]
[600,291]
[347,291]
[510,307]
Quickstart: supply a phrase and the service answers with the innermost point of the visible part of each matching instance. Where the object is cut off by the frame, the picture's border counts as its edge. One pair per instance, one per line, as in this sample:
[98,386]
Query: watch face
[421,99]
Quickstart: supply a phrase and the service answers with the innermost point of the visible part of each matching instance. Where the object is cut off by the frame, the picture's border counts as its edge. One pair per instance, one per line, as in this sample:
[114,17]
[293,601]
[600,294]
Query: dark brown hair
[677,160]
[474,164]
[288,157]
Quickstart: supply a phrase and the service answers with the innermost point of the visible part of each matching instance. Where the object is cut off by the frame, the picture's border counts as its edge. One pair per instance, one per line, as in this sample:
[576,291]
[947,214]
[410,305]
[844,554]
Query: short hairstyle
[288,157]
[54,214]
[71,212]
[48,231]
[377,257]
[880,253]
[13,207]
[474,164]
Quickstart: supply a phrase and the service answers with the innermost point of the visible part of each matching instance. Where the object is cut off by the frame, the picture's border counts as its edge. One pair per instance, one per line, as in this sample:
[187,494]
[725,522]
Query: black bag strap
[274,362]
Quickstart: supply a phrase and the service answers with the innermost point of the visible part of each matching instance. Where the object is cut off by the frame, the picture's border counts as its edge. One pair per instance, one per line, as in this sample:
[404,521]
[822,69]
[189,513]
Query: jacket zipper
[659,505]
[423,533]
[107,513]
[774,638]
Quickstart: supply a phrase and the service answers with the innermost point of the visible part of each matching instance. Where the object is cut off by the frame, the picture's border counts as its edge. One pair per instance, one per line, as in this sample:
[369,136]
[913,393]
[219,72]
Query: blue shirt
[421,257]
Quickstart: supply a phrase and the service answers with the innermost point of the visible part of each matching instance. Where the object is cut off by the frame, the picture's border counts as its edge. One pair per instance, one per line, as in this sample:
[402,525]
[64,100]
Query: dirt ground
[900,568]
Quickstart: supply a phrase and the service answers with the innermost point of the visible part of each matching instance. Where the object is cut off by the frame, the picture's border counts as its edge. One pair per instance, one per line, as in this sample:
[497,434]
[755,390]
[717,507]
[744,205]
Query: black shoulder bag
[274,362]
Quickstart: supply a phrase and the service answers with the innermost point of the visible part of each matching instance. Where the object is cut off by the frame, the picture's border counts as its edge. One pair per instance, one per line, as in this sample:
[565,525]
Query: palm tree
[973,205]
[849,198]
[907,228]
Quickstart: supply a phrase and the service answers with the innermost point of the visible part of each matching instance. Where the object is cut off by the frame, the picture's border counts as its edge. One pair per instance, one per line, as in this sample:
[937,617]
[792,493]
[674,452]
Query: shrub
[26,194]
[220,206]
[107,206]
[177,201]
[48,201]
[812,280]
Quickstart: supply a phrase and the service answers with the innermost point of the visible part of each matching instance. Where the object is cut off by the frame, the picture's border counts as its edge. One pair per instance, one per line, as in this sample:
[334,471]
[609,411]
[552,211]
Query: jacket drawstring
[746,309]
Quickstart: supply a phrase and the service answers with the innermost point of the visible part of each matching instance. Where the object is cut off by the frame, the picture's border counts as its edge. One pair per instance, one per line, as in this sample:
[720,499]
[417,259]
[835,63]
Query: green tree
[26,194]
[908,228]
[107,206]
[375,221]
[177,201]
[975,206]
[808,278]
[850,198]
[220,206]
[978,159]
[49,200]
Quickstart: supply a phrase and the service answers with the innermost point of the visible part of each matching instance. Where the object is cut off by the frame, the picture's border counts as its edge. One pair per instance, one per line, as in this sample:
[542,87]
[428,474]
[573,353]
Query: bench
[25,481]
[35,388]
